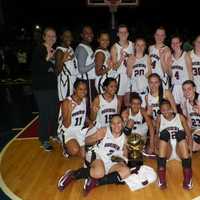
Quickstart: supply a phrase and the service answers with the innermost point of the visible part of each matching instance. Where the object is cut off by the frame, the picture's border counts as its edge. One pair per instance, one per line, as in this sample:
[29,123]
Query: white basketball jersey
[196,69]
[138,80]
[106,111]
[100,79]
[90,59]
[154,103]
[194,117]
[78,115]
[171,126]
[67,76]
[70,66]
[126,51]
[110,145]
[139,123]
[156,65]
[179,70]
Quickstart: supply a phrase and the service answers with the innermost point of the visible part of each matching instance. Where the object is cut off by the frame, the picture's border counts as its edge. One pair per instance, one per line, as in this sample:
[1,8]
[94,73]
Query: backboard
[103,3]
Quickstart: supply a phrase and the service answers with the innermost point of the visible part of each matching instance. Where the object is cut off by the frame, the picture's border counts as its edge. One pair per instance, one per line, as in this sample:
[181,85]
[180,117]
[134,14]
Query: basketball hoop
[113,5]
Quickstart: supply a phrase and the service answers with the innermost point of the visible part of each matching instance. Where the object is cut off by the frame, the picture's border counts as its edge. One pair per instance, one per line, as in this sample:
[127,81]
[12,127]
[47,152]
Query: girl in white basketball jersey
[181,68]
[138,121]
[120,52]
[103,66]
[156,94]
[103,170]
[66,66]
[105,105]
[174,141]
[71,120]
[195,56]
[192,107]
[139,68]
[159,54]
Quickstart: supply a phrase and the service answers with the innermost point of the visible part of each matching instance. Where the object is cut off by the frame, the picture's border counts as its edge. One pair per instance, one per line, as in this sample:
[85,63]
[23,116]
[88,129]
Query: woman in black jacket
[45,87]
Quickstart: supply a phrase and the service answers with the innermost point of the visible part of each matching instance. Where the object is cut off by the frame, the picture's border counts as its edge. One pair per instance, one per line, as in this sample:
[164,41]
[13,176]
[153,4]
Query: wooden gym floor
[28,172]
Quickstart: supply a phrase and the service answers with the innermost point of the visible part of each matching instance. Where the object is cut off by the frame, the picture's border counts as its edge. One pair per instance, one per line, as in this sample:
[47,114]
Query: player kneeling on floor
[137,121]
[71,120]
[104,169]
[175,142]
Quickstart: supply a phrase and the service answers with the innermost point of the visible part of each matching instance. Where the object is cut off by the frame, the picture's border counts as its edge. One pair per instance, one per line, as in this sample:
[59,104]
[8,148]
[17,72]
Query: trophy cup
[135,147]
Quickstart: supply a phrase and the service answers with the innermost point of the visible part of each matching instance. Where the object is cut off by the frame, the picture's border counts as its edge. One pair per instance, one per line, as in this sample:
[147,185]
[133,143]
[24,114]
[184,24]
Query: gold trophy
[135,146]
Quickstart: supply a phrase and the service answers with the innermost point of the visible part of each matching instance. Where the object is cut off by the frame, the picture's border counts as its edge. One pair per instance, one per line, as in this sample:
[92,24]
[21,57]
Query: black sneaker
[47,146]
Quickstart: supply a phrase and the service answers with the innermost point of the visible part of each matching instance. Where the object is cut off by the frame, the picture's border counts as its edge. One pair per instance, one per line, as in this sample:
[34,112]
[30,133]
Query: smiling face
[189,91]
[111,88]
[104,40]
[49,37]
[87,34]
[116,125]
[176,43]
[159,36]
[140,45]
[67,38]
[123,34]
[81,90]
[135,105]
[154,84]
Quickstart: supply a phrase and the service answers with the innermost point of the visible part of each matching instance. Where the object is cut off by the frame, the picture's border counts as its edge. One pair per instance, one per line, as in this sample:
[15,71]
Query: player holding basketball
[175,142]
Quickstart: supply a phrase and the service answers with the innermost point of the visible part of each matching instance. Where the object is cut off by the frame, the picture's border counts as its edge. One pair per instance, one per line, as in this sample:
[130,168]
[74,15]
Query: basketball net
[113,5]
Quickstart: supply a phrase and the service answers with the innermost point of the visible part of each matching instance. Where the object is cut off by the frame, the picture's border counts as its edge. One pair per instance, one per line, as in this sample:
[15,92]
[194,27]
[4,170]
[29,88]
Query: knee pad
[196,138]
[165,135]
[180,135]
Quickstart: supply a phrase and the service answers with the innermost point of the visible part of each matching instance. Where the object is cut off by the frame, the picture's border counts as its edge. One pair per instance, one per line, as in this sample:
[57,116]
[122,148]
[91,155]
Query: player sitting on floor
[103,169]
[174,142]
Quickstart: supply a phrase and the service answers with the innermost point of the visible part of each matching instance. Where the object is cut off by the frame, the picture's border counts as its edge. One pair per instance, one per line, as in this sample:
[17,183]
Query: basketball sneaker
[187,182]
[161,178]
[65,180]
[47,146]
[90,184]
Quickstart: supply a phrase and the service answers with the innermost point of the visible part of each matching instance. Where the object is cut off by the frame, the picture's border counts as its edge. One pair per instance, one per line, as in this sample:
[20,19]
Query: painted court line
[3,185]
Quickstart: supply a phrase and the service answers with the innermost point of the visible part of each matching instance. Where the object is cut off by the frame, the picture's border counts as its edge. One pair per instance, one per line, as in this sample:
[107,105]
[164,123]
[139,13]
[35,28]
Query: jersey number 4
[177,75]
